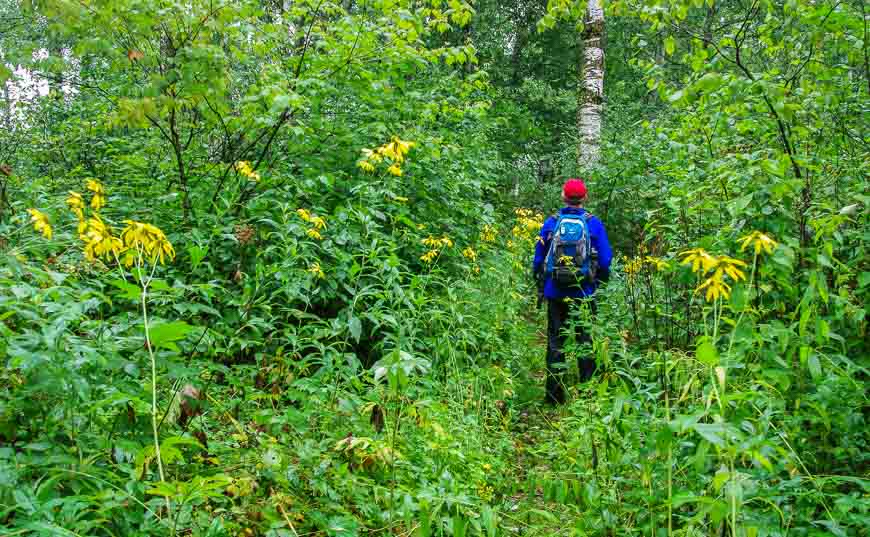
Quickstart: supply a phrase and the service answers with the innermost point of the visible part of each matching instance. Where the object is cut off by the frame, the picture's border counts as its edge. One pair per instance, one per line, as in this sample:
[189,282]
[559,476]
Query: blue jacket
[599,242]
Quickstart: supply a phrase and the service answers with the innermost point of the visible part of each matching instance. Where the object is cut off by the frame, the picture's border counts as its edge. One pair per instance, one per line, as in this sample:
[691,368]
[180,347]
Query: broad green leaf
[133,292]
[164,335]
[711,432]
[707,353]
[774,167]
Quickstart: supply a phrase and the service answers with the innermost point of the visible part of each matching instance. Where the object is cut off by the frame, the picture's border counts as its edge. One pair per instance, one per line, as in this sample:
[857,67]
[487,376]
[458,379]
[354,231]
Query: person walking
[572,257]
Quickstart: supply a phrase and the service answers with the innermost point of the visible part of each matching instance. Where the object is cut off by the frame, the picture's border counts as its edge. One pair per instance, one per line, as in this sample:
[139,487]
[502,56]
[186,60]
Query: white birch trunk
[591,90]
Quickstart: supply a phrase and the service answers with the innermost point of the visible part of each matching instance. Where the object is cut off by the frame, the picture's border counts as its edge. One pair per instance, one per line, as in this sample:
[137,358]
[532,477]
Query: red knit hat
[574,189]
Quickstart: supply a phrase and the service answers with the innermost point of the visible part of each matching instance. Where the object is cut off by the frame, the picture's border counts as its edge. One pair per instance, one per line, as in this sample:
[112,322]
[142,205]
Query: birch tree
[591,85]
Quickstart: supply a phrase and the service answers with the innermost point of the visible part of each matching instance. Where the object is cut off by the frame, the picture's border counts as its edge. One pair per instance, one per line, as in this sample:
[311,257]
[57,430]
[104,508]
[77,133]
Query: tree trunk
[591,90]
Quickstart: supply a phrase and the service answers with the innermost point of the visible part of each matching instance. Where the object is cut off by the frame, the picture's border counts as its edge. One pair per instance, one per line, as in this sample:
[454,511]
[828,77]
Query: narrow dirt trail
[547,496]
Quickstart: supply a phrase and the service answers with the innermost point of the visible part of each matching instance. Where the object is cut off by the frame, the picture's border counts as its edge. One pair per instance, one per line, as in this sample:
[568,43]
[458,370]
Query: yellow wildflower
[244,168]
[715,286]
[98,239]
[372,156]
[395,170]
[487,234]
[314,268]
[95,186]
[395,150]
[98,201]
[759,241]
[433,242]
[40,223]
[528,224]
[429,256]
[565,259]
[699,259]
[149,239]
[656,263]
[469,253]
[401,147]
[729,265]
[76,205]
[633,266]
[314,234]
[317,221]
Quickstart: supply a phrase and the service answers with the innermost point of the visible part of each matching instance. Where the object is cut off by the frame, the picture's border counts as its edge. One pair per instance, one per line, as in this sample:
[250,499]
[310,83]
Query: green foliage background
[391,395]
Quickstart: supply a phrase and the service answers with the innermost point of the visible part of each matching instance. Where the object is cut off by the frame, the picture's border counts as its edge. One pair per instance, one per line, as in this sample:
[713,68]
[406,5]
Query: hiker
[572,257]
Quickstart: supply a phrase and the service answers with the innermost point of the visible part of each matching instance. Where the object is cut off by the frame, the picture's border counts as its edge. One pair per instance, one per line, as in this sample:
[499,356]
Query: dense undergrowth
[265,271]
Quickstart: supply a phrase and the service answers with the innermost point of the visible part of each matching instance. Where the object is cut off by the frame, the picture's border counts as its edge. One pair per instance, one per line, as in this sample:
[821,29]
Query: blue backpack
[569,259]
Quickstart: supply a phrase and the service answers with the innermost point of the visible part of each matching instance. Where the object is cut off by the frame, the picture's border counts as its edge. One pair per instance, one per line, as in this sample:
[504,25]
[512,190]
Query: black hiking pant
[558,332]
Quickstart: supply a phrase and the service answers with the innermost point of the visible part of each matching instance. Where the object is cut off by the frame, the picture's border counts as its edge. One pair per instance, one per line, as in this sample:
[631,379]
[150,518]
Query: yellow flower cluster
[76,205]
[487,234]
[635,265]
[485,492]
[40,223]
[429,256]
[136,239]
[433,242]
[715,269]
[145,238]
[98,201]
[244,168]
[98,239]
[317,223]
[469,254]
[394,150]
[435,246]
[528,225]
[759,241]
[314,268]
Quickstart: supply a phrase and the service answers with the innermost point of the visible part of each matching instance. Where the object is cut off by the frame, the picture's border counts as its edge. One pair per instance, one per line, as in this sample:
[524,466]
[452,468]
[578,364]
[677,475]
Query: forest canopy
[266,267]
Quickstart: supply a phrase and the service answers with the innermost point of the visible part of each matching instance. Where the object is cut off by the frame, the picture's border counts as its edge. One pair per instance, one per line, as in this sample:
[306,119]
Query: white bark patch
[591,86]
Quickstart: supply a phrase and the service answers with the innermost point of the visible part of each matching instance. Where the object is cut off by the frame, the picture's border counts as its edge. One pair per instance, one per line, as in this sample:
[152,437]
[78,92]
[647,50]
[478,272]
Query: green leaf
[355,327]
[342,526]
[707,353]
[712,432]
[670,45]
[774,167]
[676,96]
[164,335]
[814,366]
[459,526]
[133,292]
[489,519]
[721,477]
[738,206]
[710,82]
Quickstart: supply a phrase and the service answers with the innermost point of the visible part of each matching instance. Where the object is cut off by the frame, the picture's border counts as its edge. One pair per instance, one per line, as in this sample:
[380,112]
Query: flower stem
[144,296]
